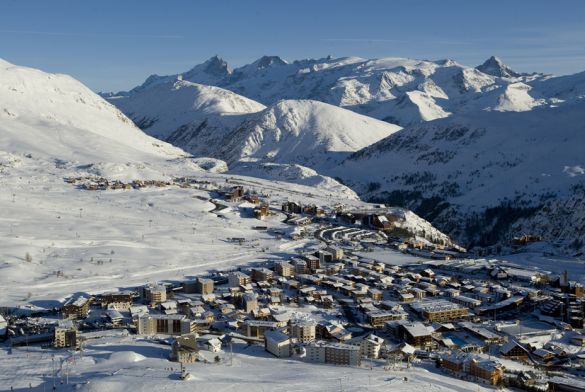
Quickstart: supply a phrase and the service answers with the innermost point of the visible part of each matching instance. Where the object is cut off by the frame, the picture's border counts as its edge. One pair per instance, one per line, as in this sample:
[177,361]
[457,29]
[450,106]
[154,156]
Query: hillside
[165,107]
[476,175]
[55,116]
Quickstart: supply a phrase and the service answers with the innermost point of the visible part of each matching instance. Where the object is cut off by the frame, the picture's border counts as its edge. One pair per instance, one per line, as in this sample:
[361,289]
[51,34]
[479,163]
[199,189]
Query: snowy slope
[295,174]
[450,168]
[309,133]
[54,115]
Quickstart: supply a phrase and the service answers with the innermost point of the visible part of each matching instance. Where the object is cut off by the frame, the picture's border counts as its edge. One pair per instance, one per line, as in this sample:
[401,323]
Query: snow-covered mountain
[165,107]
[475,175]
[496,67]
[397,90]
[55,116]
[309,133]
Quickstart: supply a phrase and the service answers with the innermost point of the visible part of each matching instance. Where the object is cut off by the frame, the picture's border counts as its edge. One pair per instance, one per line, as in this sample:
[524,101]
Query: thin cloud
[91,35]
[362,40]
[396,41]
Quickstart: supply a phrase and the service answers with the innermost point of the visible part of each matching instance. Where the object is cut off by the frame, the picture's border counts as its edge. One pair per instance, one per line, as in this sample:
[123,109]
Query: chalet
[416,334]
[440,310]
[314,210]
[375,294]
[454,362]
[261,212]
[525,239]
[406,297]
[210,343]
[490,372]
[378,319]
[331,331]
[185,349]
[299,221]
[487,371]
[252,198]
[543,355]
[347,219]
[233,194]
[291,207]
[119,300]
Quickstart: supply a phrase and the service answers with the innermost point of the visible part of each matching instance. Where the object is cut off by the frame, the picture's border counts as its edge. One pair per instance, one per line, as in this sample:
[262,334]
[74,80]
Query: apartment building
[154,294]
[377,318]
[333,353]
[76,308]
[258,328]
[238,278]
[371,346]
[65,337]
[261,274]
[204,286]
[303,330]
[440,310]
[284,268]
[173,324]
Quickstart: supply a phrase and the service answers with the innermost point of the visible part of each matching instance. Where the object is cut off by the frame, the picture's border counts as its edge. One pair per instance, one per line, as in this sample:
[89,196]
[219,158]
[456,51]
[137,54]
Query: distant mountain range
[400,91]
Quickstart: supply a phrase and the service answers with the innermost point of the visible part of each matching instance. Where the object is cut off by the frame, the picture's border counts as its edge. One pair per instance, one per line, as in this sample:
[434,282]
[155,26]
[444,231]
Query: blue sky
[113,45]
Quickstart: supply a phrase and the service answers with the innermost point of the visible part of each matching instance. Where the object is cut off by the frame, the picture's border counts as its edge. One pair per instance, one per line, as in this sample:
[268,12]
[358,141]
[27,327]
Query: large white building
[333,353]
[277,343]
